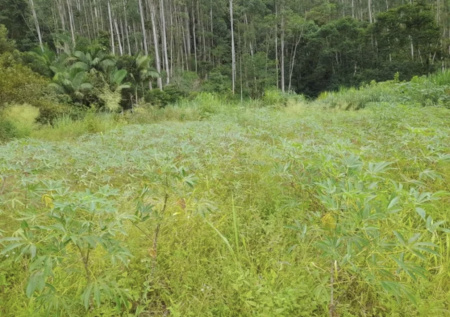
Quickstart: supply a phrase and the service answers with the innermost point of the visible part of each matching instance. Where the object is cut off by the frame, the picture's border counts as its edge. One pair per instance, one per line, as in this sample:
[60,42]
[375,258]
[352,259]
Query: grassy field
[279,211]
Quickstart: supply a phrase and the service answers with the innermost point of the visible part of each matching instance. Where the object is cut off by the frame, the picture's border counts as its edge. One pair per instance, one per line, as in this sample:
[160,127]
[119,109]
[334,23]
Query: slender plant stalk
[236,232]
[158,227]
[3,185]
[85,259]
[332,305]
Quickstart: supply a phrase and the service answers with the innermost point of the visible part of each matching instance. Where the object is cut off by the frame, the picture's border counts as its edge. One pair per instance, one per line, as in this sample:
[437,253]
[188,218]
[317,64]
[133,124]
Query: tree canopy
[304,47]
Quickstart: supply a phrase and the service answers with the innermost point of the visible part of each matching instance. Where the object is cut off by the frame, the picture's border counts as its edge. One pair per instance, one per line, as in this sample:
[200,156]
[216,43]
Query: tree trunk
[36,23]
[282,51]
[144,35]
[233,51]
[71,23]
[118,38]
[276,46]
[155,44]
[61,15]
[164,40]
[194,40]
[369,6]
[113,48]
[294,54]
[126,34]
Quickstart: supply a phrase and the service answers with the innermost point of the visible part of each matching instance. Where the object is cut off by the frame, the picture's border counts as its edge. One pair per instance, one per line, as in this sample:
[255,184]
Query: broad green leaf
[35,283]
[86,296]
[400,238]
[11,247]
[422,213]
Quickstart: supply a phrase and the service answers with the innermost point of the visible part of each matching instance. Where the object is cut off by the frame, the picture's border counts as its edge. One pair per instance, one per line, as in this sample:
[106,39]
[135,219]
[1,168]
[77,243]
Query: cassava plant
[72,249]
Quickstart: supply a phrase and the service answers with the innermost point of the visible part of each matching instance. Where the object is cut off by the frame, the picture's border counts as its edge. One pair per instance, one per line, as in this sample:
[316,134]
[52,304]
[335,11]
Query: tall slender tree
[233,50]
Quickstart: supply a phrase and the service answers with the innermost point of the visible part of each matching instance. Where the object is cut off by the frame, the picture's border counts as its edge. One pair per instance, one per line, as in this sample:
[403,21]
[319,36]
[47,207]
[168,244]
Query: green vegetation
[421,91]
[218,209]
[167,158]
[306,47]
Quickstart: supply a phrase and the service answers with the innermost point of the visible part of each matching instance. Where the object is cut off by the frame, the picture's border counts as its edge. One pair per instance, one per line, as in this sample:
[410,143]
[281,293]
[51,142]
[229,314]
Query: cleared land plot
[257,212]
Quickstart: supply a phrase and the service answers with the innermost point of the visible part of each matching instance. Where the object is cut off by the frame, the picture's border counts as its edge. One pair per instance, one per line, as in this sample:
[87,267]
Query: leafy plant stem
[158,227]
[332,305]
[85,259]
[141,230]
[236,232]
[3,185]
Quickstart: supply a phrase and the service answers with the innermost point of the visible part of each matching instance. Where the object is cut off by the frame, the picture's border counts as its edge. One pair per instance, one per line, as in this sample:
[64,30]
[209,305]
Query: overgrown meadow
[232,211]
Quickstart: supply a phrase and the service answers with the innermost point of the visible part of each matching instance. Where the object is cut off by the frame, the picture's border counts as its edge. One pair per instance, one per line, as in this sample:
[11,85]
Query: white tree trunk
[71,22]
[282,52]
[194,35]
[111,30]
[144,35]
[369,6]
[233,51]
[36,23]
[164,40]
[118,38]
[155,40]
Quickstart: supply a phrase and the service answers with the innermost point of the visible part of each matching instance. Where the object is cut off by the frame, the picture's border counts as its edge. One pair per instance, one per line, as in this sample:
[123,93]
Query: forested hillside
[241,47]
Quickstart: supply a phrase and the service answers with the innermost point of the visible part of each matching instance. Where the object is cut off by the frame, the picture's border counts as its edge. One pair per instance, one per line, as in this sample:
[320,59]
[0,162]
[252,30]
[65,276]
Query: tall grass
[433,90]
[68,128]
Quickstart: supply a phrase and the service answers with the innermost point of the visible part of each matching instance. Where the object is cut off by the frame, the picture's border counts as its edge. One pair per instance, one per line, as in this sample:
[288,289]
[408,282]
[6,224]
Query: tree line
[236,46]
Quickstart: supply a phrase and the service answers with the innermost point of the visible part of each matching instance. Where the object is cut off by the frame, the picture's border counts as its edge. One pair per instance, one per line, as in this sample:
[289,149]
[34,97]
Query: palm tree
[73,83]
[144,73]
[94,60]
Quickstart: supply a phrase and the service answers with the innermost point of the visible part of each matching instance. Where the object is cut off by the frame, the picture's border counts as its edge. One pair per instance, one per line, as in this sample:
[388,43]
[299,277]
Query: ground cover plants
[252,211]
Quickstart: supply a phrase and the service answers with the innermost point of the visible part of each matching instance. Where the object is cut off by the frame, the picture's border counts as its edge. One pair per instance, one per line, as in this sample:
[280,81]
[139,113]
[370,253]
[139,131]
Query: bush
[185,81]
[75,125]
[49,111]
[18,120]
[162,98]
[7,130]
[19,84]
[6,45]
[428,91]
[218,81]
[358,98]
[274,97]
[150,114]
[110,99]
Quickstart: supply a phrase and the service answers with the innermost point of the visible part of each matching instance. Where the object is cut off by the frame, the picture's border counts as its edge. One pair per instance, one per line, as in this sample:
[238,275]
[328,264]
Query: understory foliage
[268,211]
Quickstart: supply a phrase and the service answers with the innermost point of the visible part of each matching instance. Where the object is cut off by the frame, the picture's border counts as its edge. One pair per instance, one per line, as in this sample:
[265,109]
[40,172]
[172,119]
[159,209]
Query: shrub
[185,82]
[19,120]
[110,99]
[162,98]
[6,45]
[7,130]
[74,125]
[274,97]
[19,84]
[51,110]
[218,81]
[150,114]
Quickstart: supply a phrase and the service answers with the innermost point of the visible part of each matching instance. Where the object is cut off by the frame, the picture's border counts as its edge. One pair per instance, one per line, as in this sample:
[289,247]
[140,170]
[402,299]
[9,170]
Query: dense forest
[224,46]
